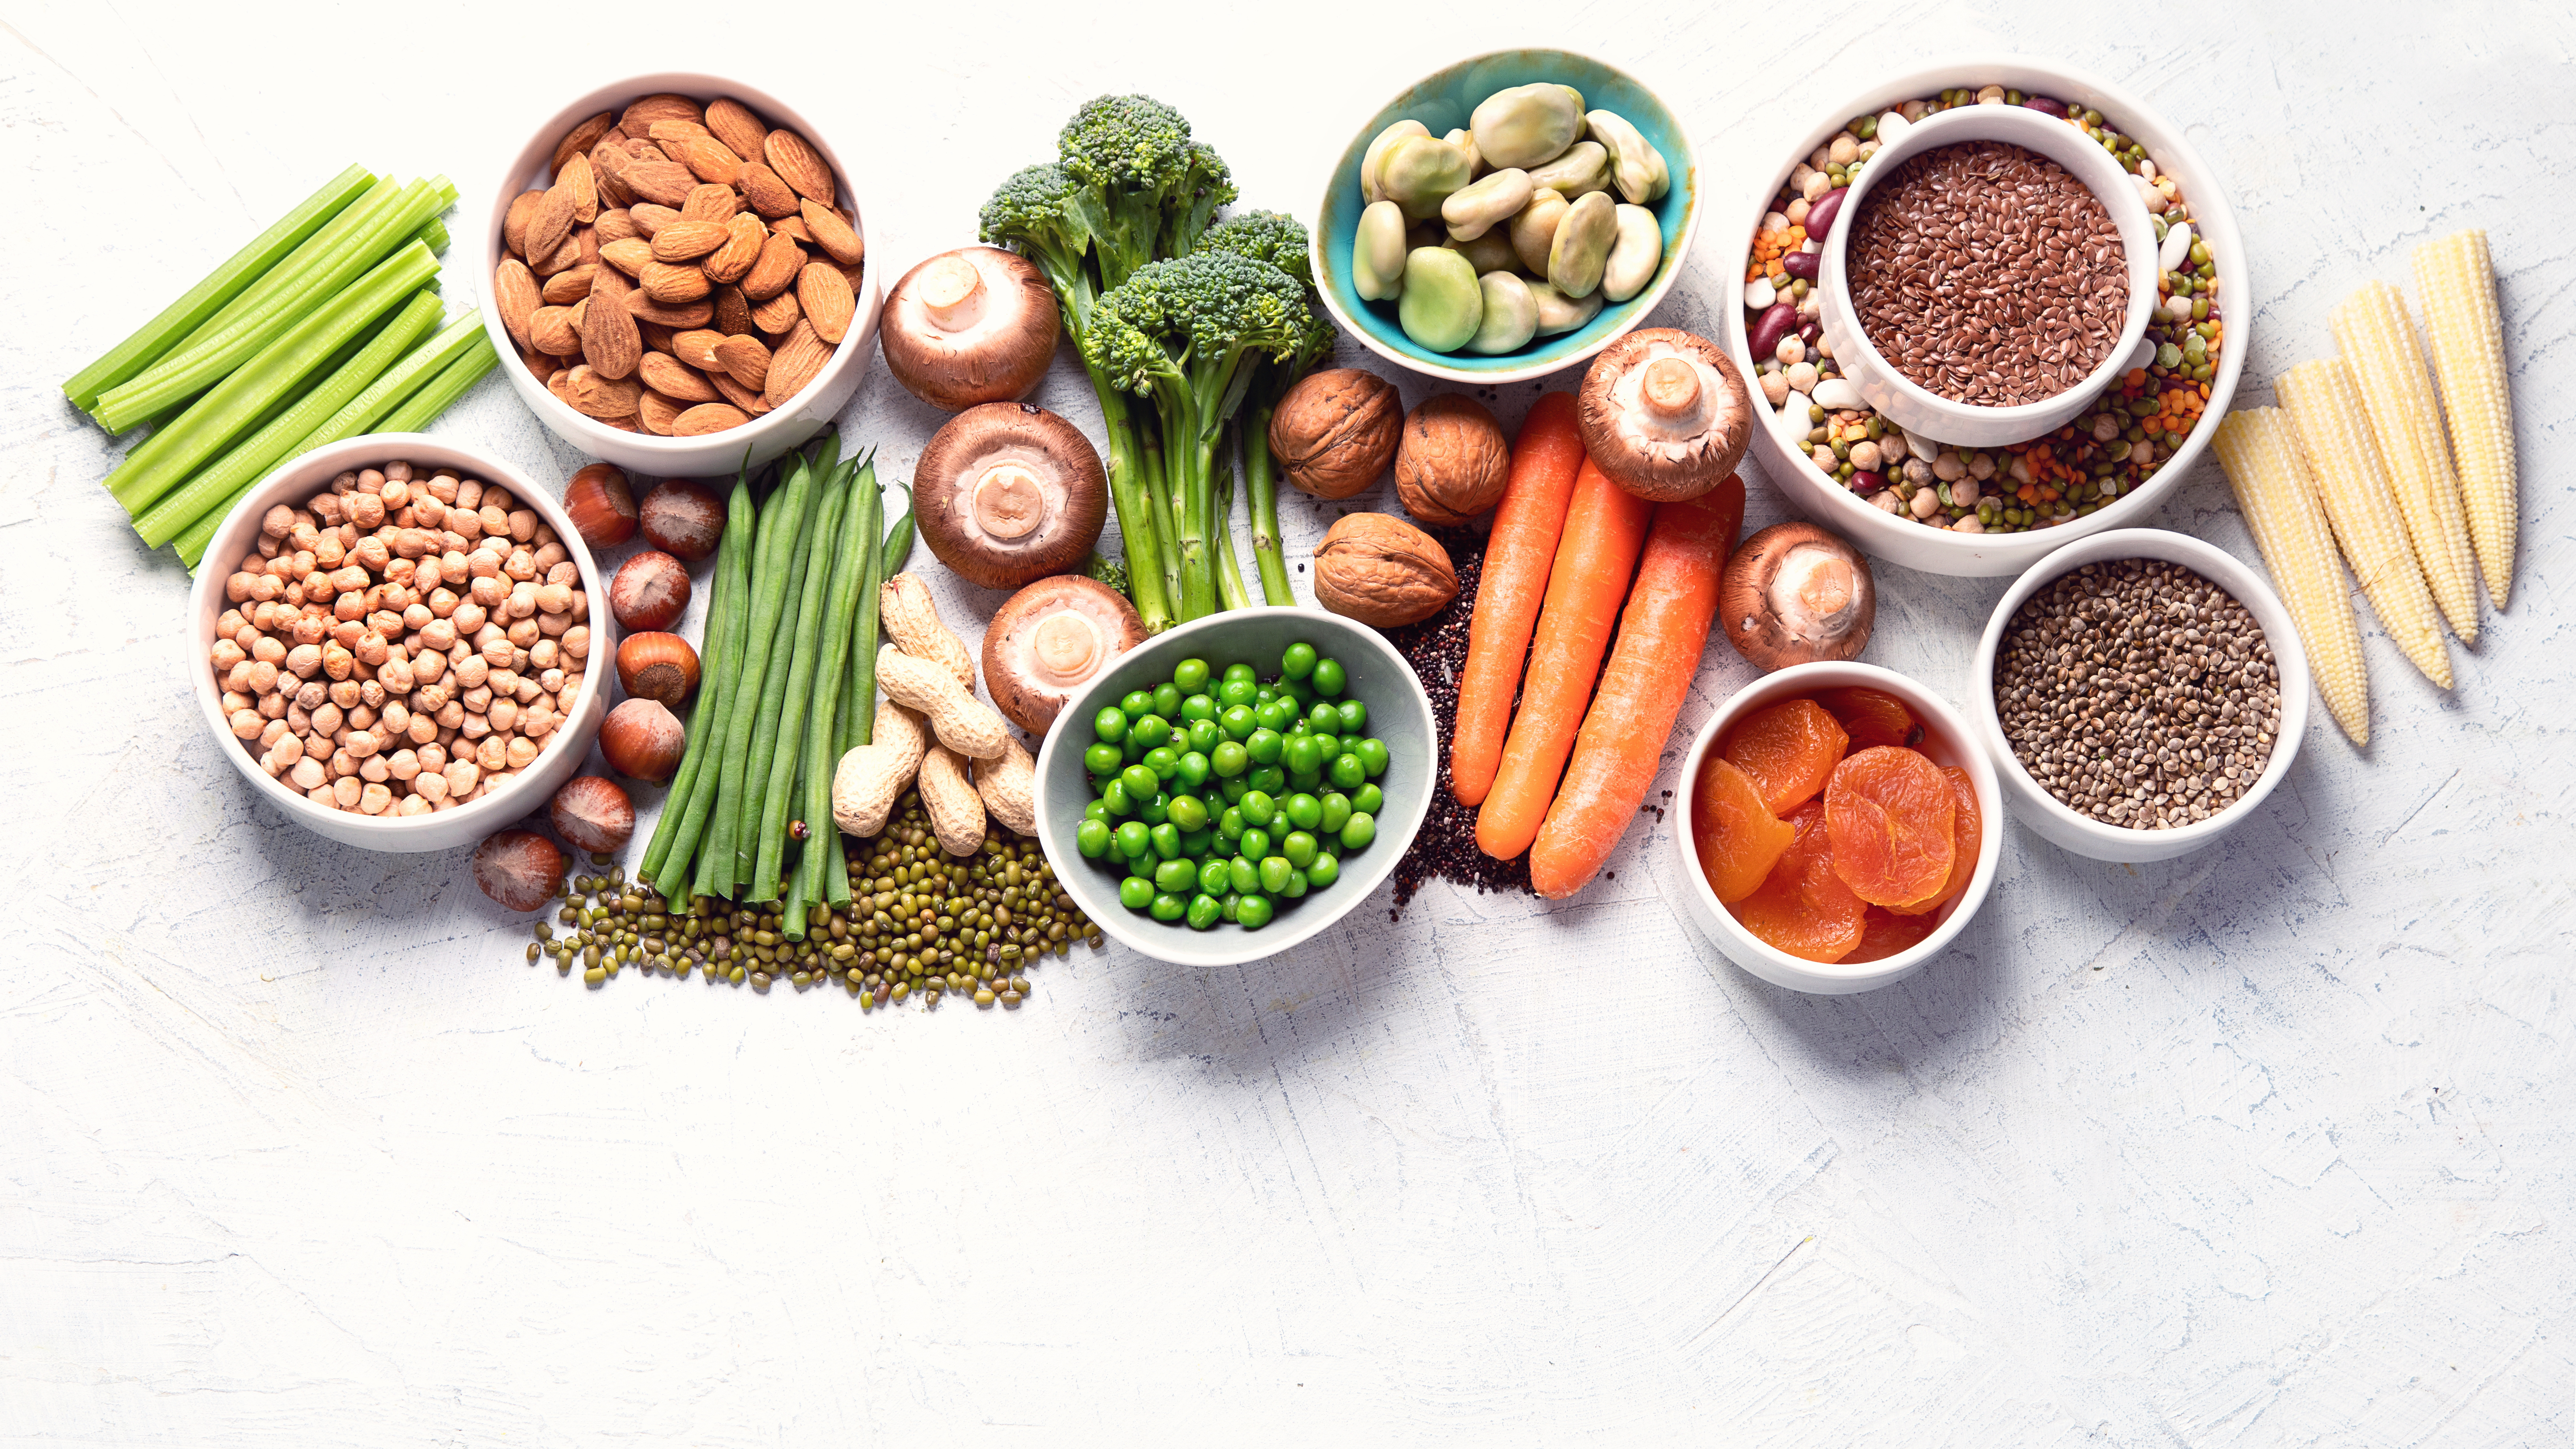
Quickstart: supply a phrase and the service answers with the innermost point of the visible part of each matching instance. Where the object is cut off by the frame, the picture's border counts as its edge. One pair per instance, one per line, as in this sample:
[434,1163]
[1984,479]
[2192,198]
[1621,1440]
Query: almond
[744,237]
[579,310]
[686,240]
[581,138]
[711,202]
[550,331]
[576,173]
[514,226]
[798,164]
[609,341]
[514,296]
[628,254]
[667,134]
[697,348]
[564,259]
[767,194]
[608,165]
[799,360]
[559,382]
[650,218]
[669,314]
[742,397]
[780,260]
[745,360]
[549,222]
[858,276]
[711,159]
[833,234]
[665,183]
[587,239]
[794,226]
[539,365]
[625,424]
[569,285]
[640,114]
[668,283]
[639,149]
[616,225]
[672,379]
[600,397]
[733,123]
[777,316]
[707,418]
[733,311]
[657,412]
[829,305]
[657,338]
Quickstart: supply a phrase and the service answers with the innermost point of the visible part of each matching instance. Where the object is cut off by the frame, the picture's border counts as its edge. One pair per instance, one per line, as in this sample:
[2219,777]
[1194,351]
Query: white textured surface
[2269,1145]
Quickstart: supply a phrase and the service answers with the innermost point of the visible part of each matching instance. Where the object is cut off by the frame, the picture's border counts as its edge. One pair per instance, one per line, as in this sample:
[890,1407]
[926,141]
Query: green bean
[719,869]
[684,811]
[796,691]
[860,711]
[898,544]
[828,871]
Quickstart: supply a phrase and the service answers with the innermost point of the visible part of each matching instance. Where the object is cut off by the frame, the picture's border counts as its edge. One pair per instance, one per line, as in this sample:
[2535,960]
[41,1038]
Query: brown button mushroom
[1336,431]
[1665,414]
[976,325]
[1007,493]
[1050,640]
[1794,594]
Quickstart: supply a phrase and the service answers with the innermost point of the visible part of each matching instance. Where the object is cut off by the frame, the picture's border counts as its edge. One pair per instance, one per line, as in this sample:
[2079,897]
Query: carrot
[1545,459]
[1604,527]
[1622,742]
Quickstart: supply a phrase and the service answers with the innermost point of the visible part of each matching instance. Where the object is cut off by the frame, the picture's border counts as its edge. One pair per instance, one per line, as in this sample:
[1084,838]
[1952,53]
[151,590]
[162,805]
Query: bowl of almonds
[678,264]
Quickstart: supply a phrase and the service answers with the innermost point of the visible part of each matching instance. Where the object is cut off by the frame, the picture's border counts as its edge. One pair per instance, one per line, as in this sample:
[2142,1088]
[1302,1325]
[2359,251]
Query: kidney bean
[1802,265]
[2046,107]
[1773,325]
[1820,217]
[1865,482]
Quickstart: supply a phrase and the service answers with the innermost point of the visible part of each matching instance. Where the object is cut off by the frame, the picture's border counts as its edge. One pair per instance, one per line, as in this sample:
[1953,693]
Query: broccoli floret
[1265,236]
[1045,215]
[1207,185]
[1102,569]
[1146,178]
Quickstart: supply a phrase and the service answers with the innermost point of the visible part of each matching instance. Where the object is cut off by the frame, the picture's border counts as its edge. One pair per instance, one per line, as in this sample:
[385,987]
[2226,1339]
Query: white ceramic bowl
[301,478]
[1947,740]
[1937,550]
[717,454]
[1399,714]
[1916,408]
[2082,834]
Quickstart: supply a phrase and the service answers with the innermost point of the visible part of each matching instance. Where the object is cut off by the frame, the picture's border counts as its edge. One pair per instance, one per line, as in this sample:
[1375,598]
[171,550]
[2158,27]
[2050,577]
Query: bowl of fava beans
[1236,785]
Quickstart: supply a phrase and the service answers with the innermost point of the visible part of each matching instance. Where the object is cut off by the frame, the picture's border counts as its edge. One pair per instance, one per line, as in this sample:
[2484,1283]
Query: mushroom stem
[1065,646]
[1672,388]
[1009,500]
[952,292]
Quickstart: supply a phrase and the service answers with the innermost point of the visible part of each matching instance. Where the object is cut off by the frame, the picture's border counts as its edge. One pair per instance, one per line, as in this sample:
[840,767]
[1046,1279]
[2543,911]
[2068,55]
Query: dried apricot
[1967,830]
[1789,750]
[1883,933]
[1889,812]
[1739,839]
[1803,908]
[1872,717]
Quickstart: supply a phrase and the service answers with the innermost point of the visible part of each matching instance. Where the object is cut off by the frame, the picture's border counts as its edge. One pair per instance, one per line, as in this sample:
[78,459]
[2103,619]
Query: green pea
[1264,747]
[1231,789]
[1254,844]
[1198,706]
[1273,714]
[1328,677]
[1241,875]
[1202,735]
[1323,872]
[1135,894]
[1323,718]
[1263,694]
[1310,781]
[1110,724]
[1299,847]
[1359,830]
[1330,744]
[1214,877]
[1113,798]
[1296,885]
[1097,809]
[1227,904]
[1156,810]
[1229,825]
[1298,692]
[1167,699]
[1229,759]
[1141,780]
[1237,722]
[1188,812]
[1303,811]
[1195,843]
[1348,772]
[1239,670]
[1269,778]
[1175,875]
[1237,693]
[1299,661]
[1102,759]
[1192,772]
[1134,838]
[1149,732]
[1204,911]
[1190,675]
[1354,716]
[1331,811]
[1169,907]
[1274,873]
[1136,705]
[1091,837]
[1252,912]
[1304,753]
[1258,808]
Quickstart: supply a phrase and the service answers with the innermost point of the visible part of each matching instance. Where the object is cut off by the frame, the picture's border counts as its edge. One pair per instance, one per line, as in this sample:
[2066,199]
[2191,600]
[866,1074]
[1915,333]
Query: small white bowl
[300,478]
[2083,834]
[716,454]
[1916,408]
[1938,550]
[1946,740]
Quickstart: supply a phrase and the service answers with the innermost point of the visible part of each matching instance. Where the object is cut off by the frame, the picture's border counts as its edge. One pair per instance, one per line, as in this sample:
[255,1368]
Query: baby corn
[2378,343]
[2343,459]
[2262,462]
[2465,330]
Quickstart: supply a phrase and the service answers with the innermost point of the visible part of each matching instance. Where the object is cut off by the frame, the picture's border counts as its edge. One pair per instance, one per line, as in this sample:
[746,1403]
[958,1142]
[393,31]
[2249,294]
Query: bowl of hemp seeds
[2140,692]
[1956,506]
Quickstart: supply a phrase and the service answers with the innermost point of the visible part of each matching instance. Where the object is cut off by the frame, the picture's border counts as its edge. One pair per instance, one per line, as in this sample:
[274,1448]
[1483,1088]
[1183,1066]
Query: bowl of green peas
[1235,785]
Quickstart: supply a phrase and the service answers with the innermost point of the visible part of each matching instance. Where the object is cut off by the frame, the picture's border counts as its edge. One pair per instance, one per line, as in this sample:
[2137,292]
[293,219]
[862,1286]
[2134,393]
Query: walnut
[1454,462]
[1383,571]
[1335,431]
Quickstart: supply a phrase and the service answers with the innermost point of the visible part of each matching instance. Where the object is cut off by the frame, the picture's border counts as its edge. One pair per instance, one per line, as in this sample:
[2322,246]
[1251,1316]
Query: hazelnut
[1336,431]
[1454,462]
[1383,571]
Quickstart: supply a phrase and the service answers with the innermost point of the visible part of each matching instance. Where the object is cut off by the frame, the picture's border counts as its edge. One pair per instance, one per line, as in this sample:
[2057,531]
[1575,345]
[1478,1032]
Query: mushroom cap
[1004,325]
[1050,640]
[1794,594]
[1665,414]
[1009,492]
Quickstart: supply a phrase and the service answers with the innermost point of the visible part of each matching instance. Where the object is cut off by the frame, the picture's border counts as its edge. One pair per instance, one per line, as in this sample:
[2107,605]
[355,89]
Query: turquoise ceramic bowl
[1399,714]
[1442,101]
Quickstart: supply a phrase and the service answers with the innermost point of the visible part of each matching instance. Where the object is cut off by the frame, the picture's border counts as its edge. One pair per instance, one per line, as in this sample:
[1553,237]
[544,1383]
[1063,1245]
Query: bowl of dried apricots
[1840,827]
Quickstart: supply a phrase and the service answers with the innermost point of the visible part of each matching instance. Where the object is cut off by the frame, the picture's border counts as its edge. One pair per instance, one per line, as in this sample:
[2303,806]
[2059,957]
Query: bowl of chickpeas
[394,640]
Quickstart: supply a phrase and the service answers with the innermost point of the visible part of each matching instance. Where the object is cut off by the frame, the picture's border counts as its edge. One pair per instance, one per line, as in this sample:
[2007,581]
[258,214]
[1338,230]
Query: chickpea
[412,805]
[263,677]
[469,616]
[551,625]
[521,753]
[492,754]
[576,642]
[225,654]
[549,557]
[307,774]
[422,729]
[372,769]
[346,791]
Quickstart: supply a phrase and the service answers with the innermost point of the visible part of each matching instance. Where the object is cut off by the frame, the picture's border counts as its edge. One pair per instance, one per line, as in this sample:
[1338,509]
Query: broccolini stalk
[1230,593]
[1268,236]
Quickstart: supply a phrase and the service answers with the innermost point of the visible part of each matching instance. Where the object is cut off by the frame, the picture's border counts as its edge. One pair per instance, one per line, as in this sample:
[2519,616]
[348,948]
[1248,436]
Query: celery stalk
[433,236]
[423,407]
[275,443]
[154,339]
[408,376]
[172,377]
[233,405]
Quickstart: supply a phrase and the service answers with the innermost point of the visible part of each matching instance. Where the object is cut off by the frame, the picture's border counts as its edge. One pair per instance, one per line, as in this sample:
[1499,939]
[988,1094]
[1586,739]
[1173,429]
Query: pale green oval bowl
[1442,101]
[1399,714]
